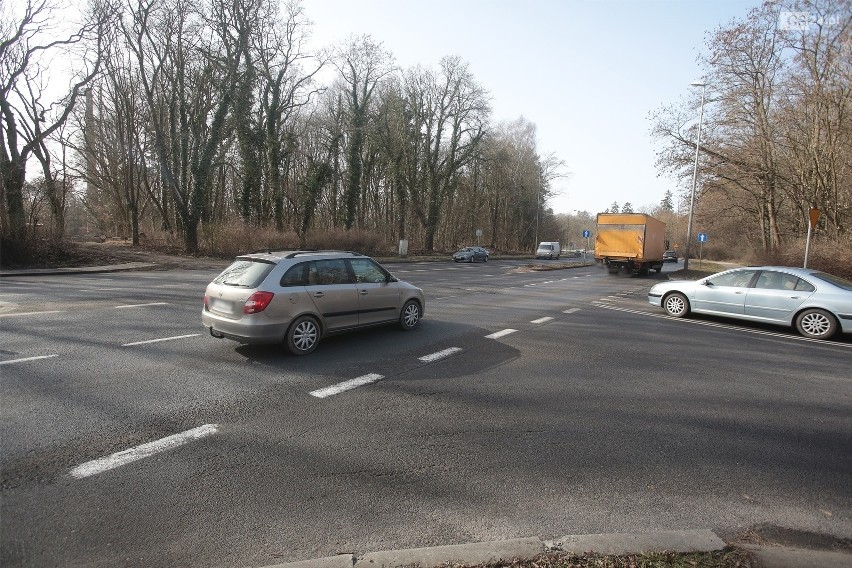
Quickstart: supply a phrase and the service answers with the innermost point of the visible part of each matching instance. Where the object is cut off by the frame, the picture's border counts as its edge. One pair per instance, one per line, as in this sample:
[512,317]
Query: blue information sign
[586,234]
[702,237]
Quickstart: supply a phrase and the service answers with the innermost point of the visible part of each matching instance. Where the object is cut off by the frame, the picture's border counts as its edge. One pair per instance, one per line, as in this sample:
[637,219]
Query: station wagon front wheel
[676,305]
[410,315]
[303,335]
[816,324]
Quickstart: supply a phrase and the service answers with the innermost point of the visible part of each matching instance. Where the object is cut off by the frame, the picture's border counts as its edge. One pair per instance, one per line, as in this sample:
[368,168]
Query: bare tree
[362,63]
[28,116]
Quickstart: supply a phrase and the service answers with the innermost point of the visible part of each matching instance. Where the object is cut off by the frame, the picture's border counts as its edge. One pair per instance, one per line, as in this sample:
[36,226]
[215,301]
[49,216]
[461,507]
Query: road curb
[785,557]
[522,549]
[701,540]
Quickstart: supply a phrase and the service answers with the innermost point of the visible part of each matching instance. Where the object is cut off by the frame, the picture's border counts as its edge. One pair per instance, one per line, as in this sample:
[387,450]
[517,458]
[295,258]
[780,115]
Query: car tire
[486,258]
[676,305]
[816,324]
[303,335]
[410,315]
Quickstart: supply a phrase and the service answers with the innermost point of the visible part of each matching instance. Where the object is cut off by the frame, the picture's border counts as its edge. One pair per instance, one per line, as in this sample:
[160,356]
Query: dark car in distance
[471,254]
[670,256]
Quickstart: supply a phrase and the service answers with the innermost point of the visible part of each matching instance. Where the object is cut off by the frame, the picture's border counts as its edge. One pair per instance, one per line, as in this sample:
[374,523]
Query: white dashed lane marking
[500,334]
[142,305]
[440,354]
[160,340]
[125,457]
[542,320]
[346,385]
[32,313]
[26,359]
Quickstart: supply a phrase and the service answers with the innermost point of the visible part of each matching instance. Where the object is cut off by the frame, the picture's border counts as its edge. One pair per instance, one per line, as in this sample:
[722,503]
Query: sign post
[813,219]
[702,238]
[586,234]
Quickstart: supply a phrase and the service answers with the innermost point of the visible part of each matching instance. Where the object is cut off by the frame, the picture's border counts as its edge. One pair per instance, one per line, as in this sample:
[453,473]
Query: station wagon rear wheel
[816,324]
[676,305]
[410,315]
[303,335]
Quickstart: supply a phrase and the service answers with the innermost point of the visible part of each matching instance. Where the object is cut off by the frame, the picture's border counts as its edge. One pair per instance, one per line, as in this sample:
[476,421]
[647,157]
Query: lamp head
[698,84]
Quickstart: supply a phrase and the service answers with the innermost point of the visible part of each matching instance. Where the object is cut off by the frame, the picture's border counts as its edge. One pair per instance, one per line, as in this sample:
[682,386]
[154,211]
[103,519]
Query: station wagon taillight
[257,302]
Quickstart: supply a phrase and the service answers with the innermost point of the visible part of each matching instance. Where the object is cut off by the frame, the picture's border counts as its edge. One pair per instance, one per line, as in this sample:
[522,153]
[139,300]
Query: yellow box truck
[630,241]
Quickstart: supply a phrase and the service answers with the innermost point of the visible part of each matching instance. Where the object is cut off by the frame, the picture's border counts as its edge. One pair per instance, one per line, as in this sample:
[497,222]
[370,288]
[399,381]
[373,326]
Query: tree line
[776,139]
[187,116]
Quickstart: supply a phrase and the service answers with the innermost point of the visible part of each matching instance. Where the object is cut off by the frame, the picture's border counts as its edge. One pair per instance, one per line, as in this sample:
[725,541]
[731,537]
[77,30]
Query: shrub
[834,257]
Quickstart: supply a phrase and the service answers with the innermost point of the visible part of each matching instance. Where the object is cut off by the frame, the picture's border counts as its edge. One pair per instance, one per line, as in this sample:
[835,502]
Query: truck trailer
[630,241]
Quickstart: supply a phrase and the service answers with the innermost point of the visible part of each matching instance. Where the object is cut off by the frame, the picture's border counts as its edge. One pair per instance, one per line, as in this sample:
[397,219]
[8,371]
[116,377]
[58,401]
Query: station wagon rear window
[244,273]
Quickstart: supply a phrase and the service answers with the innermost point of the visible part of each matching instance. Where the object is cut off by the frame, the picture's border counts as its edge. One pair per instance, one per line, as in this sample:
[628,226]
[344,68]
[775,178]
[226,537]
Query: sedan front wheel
[676,305]
[816,324]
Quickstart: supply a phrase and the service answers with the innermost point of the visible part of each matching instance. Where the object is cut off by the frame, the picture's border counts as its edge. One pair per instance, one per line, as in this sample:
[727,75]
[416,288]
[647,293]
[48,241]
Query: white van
[548,249]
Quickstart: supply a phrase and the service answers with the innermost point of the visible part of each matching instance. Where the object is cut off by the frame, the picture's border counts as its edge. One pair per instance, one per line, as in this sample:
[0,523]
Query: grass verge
[727,558]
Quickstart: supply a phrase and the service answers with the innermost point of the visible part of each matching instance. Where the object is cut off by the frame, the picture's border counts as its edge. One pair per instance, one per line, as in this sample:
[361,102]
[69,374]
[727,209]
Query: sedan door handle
[363,292]
[318,294]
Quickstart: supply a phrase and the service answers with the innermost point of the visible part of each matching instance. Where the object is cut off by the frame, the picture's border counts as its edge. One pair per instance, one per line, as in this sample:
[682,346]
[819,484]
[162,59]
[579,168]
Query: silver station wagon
[816,303]
[299,297]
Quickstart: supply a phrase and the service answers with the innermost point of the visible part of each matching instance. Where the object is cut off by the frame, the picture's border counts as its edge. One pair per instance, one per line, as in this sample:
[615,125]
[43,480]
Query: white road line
[571,311]
[723,326]
[24,360]
[125,457]
[500,334]
[32,313]
[346,385]
[142,305]
[542,320]
[159,340]
[100,289]
[440,354]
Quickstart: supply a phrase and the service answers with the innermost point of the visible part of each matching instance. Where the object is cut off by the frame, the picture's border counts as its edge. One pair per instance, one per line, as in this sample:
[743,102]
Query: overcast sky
[587,73]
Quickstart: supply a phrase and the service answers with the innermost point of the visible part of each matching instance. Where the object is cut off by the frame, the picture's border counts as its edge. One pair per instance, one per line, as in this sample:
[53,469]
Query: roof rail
[321,251]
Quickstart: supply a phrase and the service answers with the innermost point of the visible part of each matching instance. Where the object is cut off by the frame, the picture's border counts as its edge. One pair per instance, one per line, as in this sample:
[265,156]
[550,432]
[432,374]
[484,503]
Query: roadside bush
[365,242]
[228,241]
[834,257]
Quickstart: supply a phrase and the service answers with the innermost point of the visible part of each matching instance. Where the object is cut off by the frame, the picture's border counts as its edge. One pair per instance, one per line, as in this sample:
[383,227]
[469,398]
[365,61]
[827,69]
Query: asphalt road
[596,414]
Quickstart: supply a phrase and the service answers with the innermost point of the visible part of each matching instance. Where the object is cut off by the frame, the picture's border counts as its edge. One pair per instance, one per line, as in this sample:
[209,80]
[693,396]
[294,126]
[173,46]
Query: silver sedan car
[299,297]
[817,304]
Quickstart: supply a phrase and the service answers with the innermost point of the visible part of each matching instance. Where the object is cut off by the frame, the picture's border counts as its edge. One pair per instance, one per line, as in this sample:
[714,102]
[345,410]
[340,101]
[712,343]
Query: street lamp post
[703,86]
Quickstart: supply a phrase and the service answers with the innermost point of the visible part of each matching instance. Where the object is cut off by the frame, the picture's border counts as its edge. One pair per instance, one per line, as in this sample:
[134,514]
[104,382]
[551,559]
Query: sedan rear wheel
[676,305]
[303,336]
[816,324]
[410,315]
